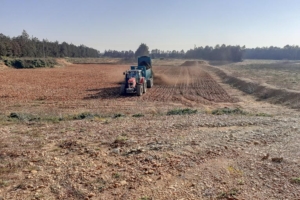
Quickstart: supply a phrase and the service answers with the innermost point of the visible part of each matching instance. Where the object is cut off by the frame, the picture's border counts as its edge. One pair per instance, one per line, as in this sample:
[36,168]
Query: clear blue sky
[162,24]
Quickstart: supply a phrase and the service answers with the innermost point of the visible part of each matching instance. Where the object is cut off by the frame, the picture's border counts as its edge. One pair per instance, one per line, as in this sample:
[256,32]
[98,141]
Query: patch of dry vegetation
[176,62]
[282,74]
[2,65]
[104,60]
[61,62]
[261,90]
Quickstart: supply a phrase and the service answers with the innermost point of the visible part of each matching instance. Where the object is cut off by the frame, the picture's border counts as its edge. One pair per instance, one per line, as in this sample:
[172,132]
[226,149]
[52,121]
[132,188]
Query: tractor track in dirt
[185,85]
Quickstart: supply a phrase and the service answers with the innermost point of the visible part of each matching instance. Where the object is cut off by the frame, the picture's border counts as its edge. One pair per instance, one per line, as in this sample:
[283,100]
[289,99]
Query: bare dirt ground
[130,148]
[93,86]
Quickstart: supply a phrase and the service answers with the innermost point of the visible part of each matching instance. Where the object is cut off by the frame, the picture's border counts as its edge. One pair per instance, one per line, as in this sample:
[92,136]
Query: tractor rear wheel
[139,90]
[144,87]
[150,83]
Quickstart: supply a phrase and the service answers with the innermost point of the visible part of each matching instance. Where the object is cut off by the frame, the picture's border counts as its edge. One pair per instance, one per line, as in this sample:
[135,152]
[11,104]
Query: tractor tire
[122,89]
[144,87]
[150,83]
[139,90]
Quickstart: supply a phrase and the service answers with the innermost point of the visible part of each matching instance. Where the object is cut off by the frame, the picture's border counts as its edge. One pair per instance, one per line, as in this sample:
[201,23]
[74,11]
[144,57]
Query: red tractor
[138,78]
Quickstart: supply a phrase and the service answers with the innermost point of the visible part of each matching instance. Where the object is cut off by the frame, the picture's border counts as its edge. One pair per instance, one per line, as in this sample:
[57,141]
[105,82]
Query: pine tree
[143,50]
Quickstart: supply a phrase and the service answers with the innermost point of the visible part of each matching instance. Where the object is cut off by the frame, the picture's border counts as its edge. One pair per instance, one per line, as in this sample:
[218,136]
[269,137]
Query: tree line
[24,46]
[119,54]
[273,53]
[142,50]
[217,53]
[221,53]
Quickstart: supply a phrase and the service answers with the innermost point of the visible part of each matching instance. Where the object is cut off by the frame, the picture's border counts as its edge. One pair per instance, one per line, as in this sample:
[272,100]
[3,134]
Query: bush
[228,111]
[24,117]
[138,115]
[181,111]
[55,119]
[118,115]
[263,115]
[296,180]
[27,63]
[85,115]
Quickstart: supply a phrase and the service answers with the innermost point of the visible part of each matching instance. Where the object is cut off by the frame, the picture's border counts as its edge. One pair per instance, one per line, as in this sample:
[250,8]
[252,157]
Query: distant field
[106,60]
[93,60]
[168,62]
[282,74]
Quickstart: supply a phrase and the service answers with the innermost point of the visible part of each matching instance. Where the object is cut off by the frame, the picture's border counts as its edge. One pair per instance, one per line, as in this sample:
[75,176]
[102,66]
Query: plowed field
[66,133]
[188,85]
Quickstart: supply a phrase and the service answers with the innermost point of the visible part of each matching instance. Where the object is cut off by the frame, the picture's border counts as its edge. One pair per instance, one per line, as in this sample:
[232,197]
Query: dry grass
[252,84]
[2,65]
[282,74]
[104,60]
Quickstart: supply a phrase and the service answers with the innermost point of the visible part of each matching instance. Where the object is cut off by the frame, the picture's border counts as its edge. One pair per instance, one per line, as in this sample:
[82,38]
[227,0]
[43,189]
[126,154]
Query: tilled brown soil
[187,85]
[152,156]
[74,82]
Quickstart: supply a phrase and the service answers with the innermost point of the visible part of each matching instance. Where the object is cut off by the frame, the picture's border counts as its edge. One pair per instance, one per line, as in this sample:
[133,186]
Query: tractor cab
[134,74]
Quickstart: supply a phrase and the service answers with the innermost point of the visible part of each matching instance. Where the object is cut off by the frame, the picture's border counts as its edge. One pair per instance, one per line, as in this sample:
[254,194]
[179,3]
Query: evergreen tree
[24,46]
[143,50]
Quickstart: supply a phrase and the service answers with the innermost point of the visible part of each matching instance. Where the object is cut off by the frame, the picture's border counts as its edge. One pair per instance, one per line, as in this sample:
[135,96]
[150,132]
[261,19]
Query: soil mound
[189,63]
[267,92]
[202,62]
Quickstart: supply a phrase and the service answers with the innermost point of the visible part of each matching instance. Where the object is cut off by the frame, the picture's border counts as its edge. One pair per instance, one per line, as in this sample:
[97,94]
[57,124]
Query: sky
[161,24]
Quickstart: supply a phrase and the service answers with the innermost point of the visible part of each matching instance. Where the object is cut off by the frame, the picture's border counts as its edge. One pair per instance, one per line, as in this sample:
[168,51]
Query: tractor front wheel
[122,89]
[139,90]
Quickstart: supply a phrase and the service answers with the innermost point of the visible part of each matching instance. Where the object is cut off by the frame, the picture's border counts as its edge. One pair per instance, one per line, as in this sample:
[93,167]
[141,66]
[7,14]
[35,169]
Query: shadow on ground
[106,93]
